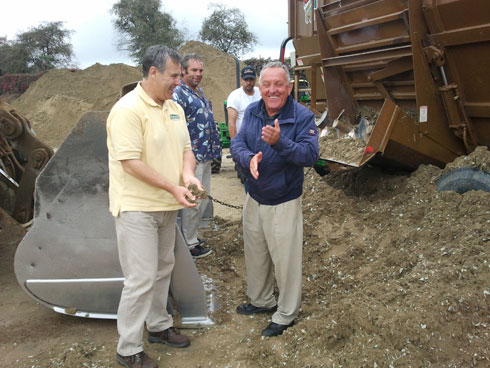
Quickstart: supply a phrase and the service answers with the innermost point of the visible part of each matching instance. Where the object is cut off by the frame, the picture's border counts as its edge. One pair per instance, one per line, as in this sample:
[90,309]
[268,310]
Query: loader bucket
[68,260]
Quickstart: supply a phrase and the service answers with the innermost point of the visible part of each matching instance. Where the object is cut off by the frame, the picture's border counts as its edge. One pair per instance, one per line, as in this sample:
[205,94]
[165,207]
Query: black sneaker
[200,252]
[201,241]
[275,329]
[249,309]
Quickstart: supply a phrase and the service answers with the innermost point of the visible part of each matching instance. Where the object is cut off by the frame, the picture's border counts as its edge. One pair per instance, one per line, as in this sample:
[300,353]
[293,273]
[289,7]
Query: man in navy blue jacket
[277,140]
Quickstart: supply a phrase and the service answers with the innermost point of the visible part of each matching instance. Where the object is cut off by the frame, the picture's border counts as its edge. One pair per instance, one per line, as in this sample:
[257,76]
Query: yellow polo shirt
[139,128]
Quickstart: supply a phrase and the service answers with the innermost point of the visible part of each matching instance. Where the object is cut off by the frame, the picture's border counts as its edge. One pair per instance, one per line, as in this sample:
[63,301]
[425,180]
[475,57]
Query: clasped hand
[183,194]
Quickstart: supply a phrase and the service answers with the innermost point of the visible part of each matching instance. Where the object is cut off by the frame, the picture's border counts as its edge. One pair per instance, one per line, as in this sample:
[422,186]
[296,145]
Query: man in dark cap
[239,99]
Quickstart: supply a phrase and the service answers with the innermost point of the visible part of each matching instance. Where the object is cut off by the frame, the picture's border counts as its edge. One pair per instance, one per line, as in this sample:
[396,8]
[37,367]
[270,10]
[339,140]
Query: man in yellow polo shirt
[151,165]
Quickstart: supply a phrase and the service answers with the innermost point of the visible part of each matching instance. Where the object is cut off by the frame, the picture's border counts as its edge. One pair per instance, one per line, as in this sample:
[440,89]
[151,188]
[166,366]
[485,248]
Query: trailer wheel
[321,170]
[463,180]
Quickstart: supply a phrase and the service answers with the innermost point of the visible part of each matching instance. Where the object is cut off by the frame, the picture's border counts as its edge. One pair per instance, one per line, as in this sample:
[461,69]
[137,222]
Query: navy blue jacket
[281,169]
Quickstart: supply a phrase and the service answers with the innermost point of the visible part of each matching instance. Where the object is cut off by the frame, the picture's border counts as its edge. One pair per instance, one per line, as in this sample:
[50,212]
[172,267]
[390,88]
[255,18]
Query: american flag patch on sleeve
[312,132]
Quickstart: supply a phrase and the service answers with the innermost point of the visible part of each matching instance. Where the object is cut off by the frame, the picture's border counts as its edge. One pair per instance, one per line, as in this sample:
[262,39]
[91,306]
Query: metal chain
[224,204]
[241,207]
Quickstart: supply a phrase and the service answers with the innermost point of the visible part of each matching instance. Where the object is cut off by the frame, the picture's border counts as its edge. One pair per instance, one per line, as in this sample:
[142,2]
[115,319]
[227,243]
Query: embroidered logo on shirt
[174,117]
[312,132]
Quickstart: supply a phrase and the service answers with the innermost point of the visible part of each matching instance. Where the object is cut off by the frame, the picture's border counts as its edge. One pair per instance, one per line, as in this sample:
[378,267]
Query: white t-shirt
[239,100]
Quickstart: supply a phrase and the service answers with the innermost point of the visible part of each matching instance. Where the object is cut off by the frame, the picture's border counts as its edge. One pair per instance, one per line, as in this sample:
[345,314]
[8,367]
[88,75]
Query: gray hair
[157,56]
[187,57]
[274,64]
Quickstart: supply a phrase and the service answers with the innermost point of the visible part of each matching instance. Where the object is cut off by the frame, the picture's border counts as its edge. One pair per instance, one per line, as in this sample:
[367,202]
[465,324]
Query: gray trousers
[145,241]
[273,237]
[191,217]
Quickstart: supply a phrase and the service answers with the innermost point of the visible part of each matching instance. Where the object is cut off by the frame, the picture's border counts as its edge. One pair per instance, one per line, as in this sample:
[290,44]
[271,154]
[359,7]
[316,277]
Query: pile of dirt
[56,101]
[395,274]
[343,149]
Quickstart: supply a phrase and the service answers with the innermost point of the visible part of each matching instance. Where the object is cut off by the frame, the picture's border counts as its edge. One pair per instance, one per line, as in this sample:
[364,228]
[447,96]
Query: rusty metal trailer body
[423,64]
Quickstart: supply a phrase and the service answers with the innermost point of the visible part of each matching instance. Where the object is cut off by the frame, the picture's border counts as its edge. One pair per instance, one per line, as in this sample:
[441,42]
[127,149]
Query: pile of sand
[56,101]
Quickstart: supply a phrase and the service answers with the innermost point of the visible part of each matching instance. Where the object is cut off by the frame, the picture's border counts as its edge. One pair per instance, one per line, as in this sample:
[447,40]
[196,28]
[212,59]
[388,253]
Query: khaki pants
[145,241]
[273,237]
[191,217]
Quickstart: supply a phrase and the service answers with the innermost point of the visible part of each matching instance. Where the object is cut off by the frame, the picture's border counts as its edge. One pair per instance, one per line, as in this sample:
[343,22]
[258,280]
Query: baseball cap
[248,72]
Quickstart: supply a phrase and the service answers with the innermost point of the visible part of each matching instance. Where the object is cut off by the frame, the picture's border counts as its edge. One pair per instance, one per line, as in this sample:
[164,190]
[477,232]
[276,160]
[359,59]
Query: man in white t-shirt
[239,99]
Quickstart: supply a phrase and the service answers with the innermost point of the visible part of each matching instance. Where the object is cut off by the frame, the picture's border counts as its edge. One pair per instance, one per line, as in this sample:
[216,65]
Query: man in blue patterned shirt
[205,142]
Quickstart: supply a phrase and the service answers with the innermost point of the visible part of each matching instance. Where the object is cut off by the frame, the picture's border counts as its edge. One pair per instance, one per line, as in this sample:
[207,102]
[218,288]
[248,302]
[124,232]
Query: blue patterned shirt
[205,139]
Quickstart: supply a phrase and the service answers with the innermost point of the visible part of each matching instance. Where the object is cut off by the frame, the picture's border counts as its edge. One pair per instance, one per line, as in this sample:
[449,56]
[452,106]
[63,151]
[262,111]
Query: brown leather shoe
[139,360]
[171,336]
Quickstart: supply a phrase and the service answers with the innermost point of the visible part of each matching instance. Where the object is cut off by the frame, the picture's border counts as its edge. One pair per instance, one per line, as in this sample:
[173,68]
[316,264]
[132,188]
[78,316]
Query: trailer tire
[321,170]
[463,180]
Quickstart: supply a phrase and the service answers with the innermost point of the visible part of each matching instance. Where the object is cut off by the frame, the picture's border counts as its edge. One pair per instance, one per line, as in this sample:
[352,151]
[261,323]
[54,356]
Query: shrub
[17,83]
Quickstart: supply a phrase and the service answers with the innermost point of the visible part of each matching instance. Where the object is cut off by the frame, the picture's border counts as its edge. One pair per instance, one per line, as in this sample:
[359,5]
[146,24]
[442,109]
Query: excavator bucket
[11,232]
[22,157]
[68,260]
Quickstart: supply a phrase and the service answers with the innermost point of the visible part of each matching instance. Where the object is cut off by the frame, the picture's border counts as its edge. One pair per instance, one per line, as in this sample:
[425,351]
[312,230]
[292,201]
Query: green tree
[41,48]
[46,46]
[141,24]
[227,30]
[13,58]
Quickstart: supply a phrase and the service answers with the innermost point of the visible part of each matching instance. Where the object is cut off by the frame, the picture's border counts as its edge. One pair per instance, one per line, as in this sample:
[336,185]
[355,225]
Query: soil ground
[396,274]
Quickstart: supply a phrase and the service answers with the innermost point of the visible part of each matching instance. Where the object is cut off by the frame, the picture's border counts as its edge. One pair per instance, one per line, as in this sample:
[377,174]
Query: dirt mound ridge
[57,100]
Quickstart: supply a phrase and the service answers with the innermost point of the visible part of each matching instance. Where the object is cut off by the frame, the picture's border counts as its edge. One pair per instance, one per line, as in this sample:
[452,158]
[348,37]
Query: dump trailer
[415,73]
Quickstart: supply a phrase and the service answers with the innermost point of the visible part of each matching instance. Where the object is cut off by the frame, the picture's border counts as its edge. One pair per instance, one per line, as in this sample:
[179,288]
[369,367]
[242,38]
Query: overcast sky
[94,37]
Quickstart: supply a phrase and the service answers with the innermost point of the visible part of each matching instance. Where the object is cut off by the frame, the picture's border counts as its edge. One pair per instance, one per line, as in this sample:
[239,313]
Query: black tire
[216,165]
[463,180]
[321,167]
[321,170]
